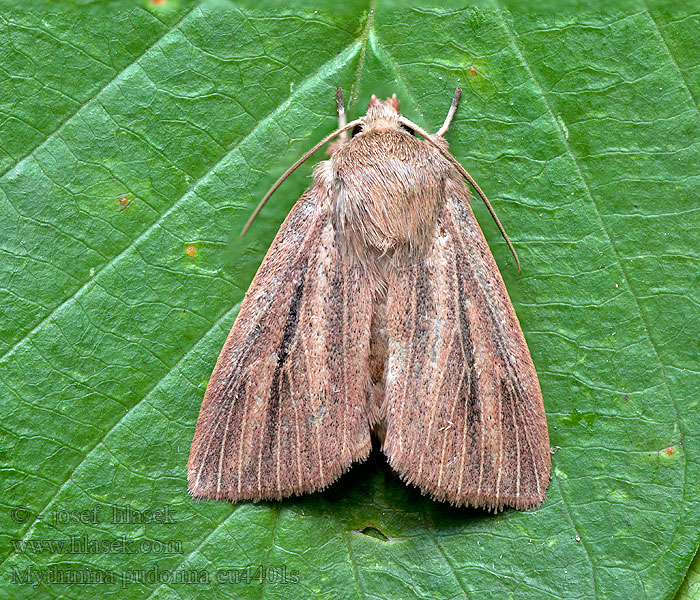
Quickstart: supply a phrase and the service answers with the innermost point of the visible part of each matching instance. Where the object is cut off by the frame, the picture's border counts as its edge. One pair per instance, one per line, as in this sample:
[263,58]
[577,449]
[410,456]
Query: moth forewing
[285,409]
[463,407]
[380,306]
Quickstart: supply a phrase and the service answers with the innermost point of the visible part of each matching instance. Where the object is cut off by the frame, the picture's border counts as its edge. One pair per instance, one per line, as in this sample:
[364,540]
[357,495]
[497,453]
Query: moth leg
[342,122]
[342,118]
[450,113]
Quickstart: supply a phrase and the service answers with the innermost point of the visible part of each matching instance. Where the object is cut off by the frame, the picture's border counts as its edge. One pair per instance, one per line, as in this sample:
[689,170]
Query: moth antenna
[464,174]
[450,113]
[293,168]
[342,118]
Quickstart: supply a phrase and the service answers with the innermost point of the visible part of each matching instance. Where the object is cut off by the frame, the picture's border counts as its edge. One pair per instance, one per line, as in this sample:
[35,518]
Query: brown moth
[378,307]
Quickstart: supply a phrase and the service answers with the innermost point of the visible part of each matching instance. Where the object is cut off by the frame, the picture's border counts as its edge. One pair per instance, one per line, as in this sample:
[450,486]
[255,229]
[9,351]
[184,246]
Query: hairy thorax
[387,188]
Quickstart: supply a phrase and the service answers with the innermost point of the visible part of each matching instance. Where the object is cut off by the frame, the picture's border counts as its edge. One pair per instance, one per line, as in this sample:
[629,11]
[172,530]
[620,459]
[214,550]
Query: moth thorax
[388,189]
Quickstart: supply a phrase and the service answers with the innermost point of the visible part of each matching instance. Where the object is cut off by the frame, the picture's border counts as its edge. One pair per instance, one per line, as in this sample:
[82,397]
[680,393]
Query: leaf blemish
[671,450]
[374,532]
[191,251]
[577,418]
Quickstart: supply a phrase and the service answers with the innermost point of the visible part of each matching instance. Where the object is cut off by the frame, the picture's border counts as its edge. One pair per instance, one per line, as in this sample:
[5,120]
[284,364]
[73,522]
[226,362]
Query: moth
[378,307]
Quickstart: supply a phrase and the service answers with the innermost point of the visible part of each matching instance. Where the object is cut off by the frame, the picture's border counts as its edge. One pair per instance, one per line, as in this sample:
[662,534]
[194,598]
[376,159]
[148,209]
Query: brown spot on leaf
[191,251]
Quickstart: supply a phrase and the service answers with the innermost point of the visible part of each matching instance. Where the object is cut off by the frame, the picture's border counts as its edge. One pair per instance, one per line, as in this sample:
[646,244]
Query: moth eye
[407,129]
[356,130]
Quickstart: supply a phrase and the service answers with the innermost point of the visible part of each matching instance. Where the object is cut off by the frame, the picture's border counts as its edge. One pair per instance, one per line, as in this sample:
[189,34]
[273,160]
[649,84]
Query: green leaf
[690,588]
[134,145]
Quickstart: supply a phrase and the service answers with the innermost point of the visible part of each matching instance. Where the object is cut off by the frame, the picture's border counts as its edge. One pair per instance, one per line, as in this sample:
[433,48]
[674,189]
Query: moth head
[382,114]
[389,107]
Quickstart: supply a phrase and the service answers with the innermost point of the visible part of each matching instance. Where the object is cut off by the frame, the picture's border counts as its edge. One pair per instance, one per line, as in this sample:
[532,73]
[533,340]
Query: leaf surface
[134,145]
